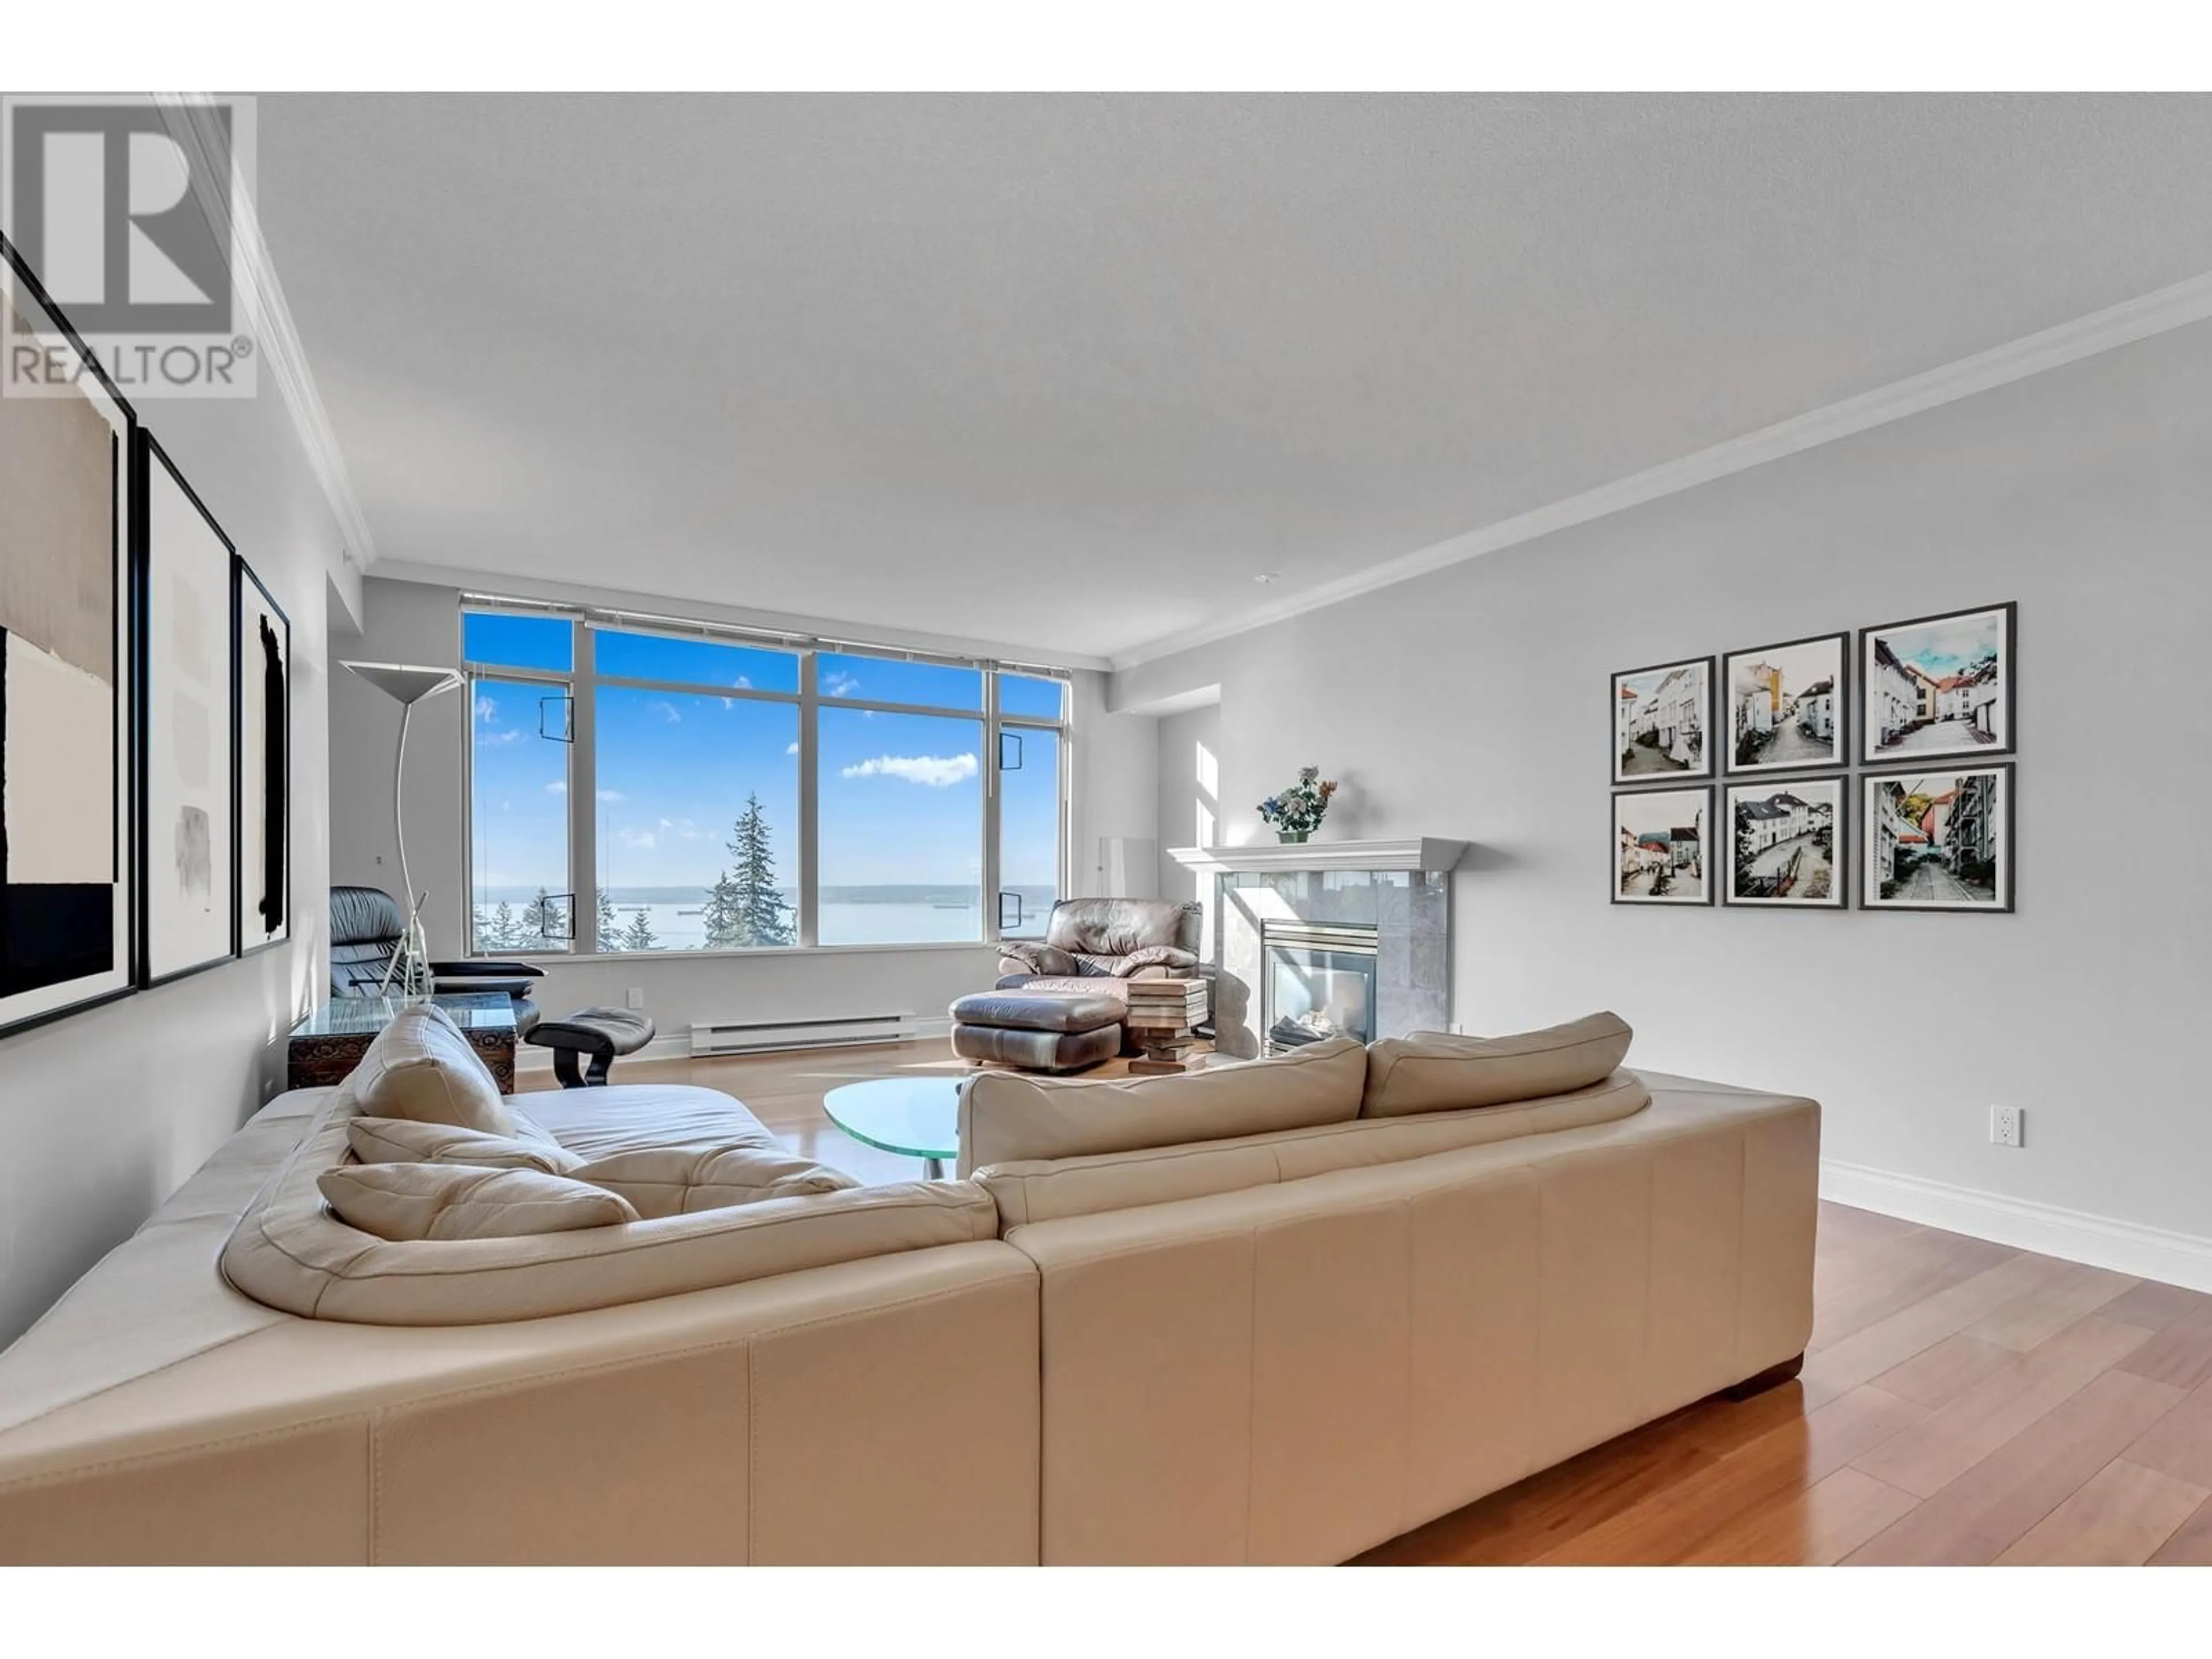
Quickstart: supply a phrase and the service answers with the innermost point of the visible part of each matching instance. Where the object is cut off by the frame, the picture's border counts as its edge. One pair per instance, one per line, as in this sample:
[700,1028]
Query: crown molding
[268,319]
[2177,306]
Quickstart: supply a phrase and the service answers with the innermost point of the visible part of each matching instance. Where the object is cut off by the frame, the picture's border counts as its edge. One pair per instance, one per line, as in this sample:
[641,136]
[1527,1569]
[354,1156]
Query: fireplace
[1318,980]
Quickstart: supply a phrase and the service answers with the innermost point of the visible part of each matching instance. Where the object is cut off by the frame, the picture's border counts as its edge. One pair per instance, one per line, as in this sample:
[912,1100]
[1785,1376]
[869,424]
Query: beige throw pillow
[1437,1072]
[422,1068]
[1006,1115]
[679,1180]
[403,1140]
[404,1202]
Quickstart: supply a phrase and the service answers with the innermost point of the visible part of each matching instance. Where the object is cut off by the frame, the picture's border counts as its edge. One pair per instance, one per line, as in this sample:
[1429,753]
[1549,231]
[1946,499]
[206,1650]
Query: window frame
[582,683]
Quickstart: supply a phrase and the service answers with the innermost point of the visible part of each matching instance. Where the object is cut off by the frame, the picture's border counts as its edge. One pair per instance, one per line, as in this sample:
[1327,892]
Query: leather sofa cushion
[1115,926]
[403,1140]
[421,1068]
[1047,1012]
[1437,1072]
[680,1180]
[1034,957]
[1051,1189]
[1005,1116]
[403,1201]
[605,1122]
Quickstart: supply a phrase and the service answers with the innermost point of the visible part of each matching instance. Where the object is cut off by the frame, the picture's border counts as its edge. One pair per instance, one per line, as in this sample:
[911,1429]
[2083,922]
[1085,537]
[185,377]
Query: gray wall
[1471,704]
[104,1114]
[1189,815]
[419,623]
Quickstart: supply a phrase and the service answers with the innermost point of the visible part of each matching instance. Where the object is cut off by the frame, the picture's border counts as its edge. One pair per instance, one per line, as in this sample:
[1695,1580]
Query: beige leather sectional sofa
[1278,1312]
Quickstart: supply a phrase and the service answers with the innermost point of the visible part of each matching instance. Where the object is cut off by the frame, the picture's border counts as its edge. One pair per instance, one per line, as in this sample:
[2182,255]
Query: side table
[325,1047]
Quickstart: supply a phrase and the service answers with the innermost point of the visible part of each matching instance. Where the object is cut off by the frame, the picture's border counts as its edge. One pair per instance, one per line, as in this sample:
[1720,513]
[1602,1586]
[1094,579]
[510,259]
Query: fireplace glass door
[1319,984]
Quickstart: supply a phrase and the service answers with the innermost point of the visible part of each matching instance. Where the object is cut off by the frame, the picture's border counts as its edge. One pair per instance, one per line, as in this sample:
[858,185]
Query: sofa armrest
[479,968]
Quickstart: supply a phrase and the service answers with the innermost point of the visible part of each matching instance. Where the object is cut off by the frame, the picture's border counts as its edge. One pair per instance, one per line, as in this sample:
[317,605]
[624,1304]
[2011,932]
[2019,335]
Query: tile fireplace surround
[1402,888]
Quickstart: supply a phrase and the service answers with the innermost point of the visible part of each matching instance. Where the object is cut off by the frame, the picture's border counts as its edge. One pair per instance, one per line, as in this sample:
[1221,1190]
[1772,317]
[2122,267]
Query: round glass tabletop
[915,1116]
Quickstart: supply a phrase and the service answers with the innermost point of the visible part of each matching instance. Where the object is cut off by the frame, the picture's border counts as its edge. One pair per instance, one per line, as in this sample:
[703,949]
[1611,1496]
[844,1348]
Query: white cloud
[643,840]
[612,794]
[486,708]
[556,788]
[506,734]
[742,683]
[791,748]
[837,684]
[667,711]
[937,771]
[668,823]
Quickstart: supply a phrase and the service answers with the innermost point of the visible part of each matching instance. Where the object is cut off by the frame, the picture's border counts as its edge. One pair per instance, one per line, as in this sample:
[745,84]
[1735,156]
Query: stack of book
[1162,1012]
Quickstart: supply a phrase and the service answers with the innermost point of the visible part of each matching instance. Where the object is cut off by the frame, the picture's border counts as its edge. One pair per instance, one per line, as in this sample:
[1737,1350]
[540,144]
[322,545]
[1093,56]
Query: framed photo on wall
[66,657]
[262,698]
[1787,706]
[1937,839]
[188,781]
[1938,685]
[1662,722]
[1785,844]
[1663,852]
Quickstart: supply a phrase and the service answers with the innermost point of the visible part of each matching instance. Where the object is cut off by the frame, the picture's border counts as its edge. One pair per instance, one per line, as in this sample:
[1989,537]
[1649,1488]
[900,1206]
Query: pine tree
[746,907]
[639,935]
[609,940]
[539,918]
[498,934]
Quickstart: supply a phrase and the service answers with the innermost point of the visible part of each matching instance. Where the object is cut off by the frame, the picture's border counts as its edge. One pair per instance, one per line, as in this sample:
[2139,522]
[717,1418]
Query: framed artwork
[1938,840]
[1786,845]
[1662,722]
[1788,706]
[263,699]
[1938,685]
[1662,849]
[188,780]
[66,661]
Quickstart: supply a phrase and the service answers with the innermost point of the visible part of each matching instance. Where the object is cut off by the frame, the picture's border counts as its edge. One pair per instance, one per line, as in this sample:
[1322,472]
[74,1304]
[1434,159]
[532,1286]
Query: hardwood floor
[1961,1402]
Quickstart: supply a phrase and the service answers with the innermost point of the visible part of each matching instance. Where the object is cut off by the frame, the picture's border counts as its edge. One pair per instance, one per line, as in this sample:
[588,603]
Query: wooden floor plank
[2118,1518]
[1814,1528]
[1671,1522]
[2180,1354]
[2154,1306]
[1930,1455]
[1865,1355]
[2181,1445]
[1937,1375]
[1985,1510]
[1890,1275]
[2026,1321]
[2192,1543]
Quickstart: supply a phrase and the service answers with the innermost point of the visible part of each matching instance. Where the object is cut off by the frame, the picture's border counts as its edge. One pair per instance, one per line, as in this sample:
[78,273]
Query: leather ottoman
[1038,1033]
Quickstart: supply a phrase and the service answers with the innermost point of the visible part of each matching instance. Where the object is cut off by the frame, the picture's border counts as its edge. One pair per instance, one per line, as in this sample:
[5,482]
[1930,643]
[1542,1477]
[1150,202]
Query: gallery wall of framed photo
[1732,775]
[145,737]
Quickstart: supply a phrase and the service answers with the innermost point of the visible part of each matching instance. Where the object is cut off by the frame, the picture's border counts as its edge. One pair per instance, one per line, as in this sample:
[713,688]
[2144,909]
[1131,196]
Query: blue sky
[901,795]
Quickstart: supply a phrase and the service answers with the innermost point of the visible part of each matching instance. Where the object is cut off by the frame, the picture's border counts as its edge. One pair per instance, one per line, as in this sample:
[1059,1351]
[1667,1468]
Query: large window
[722,793]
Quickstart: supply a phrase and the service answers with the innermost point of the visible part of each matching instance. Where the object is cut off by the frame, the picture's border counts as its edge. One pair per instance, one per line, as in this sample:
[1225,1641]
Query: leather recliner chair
[365,929]
[1095,945]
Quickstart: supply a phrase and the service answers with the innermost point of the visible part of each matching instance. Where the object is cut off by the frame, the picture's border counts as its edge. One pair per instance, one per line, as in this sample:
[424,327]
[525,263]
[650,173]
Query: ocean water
[849,916]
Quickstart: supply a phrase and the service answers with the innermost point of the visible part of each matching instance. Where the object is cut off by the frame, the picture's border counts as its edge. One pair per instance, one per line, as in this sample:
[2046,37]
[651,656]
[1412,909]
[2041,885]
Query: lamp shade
[405,682]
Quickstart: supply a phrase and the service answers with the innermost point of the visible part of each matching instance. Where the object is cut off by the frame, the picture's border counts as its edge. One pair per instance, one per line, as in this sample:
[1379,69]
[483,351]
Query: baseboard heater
[762,1036]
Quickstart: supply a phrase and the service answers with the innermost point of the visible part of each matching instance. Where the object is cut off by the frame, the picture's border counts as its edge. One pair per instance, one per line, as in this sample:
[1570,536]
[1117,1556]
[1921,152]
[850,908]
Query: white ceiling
[1070,372]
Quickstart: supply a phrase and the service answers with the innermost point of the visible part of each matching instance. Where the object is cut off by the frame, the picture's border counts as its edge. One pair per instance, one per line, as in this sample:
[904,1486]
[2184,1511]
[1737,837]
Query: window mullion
[991,792]
[583,799]
[809,805]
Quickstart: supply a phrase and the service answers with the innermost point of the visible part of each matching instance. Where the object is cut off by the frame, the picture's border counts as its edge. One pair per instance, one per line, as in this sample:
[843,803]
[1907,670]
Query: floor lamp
[408,685]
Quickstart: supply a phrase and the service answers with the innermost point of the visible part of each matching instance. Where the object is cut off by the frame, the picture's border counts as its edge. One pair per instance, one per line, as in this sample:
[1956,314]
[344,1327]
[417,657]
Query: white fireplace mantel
[1412,852]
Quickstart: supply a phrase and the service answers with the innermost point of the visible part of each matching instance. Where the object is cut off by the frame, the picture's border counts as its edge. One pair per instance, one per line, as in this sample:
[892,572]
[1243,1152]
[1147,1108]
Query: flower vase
[1290,836]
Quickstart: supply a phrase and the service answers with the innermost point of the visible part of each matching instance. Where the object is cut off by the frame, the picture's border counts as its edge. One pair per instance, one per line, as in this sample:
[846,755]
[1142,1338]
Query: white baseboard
[2124,1247]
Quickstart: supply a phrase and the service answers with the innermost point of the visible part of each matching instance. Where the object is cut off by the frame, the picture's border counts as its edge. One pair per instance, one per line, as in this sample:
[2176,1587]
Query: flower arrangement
[1296,812]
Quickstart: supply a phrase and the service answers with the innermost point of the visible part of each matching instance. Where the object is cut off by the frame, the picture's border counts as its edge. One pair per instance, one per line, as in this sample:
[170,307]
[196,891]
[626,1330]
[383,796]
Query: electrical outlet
[2005,1126]
[636,996]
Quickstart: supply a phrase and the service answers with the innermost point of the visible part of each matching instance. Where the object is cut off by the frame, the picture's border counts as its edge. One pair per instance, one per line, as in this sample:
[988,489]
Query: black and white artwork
[1662,720]
[1938,685]
[1939,840]
[1787,705]
[263,699]
[65,656]
[1786,845]
[187,843]
[1662,846]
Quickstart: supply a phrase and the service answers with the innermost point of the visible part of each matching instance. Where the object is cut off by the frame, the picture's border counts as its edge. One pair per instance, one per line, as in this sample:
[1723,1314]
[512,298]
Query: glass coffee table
[914,1116]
